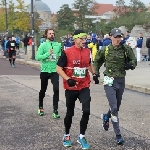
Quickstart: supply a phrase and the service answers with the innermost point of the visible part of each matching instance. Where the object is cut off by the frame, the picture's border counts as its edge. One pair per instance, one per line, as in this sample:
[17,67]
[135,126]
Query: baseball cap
[115,32]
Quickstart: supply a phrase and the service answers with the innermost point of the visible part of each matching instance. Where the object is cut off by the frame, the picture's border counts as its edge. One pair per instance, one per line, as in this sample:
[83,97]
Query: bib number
[108,81]
[79,72]
[12,44]
[52,57]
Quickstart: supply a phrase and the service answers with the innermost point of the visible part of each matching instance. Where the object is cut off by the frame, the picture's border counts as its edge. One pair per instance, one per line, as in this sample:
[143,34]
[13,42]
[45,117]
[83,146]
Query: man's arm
[62,62]
[99,60]
[91,68]
[40,53]
[131,55]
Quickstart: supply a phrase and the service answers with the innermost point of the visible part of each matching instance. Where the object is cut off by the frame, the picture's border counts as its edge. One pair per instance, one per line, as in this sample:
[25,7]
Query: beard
[51,38]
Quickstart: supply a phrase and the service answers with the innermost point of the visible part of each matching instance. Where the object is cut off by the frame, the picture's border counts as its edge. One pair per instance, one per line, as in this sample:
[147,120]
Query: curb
[28,62]
[138,88]
[127,86]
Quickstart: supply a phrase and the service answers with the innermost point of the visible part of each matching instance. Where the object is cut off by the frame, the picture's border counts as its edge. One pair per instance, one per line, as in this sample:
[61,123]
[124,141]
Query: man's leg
[138,50]
[85,99]
[71,97]
[120,91]
[55,82]
[149,54]
[111,96]
[114,96]
[14,58]
[10,57]
[44,82]
[25,49]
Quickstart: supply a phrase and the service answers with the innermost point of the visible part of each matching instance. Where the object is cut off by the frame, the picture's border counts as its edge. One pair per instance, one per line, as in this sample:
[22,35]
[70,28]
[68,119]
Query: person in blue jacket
[127,36]
[88,41]
[139,47]
[107,40]
[100,43]
[69,41]
[5,47]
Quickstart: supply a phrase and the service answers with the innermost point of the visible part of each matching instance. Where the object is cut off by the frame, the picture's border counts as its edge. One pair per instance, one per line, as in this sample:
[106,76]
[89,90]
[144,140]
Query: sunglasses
[118,36]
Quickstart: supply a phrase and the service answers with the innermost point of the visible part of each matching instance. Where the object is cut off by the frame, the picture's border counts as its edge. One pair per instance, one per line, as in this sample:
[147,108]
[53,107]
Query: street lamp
[32,31]
[6,17]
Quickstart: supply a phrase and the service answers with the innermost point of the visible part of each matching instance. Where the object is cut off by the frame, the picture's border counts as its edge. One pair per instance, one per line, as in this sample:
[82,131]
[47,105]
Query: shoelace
[67,138]
[41,109]
[84,140]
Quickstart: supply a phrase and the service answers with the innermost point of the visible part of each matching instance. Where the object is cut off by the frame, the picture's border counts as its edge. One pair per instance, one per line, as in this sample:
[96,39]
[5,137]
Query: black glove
[132,67]
[95,78]
[127,66]
[71,82]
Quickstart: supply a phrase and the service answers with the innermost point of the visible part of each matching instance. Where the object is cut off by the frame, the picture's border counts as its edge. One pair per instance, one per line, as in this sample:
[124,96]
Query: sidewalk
[136,80]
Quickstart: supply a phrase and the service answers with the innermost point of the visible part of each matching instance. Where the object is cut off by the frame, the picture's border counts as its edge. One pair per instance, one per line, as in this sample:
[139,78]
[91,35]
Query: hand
[71,82]
[132,67]
[127,66]
[95,78]
[51,51]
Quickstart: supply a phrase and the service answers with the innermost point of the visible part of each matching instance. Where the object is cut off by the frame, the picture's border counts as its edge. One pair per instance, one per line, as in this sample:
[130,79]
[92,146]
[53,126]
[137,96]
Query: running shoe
[13,65]
[66,141]
[105,124]
[55,114]
[83,142]
[119,139]
[41,111]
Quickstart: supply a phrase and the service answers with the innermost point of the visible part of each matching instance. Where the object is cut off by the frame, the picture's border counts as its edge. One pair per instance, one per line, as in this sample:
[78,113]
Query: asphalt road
[22,129]
[6,69]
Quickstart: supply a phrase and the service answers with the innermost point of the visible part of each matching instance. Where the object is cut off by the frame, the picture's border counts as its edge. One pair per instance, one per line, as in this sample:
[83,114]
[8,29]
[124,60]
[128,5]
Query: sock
[81,136]
[55,110]
[13,60]
[10,60]
[67,134]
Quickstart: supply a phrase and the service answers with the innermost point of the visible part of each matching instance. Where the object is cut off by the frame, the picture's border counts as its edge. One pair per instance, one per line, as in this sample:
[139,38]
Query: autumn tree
[65,18]
[84,7]
[2,16]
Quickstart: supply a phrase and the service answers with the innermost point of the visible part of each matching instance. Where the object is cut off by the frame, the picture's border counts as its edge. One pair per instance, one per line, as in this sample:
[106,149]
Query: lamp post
[6,19]
[32,31]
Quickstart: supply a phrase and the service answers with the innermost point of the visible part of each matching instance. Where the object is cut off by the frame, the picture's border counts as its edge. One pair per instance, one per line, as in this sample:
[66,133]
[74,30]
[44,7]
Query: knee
[56,89]
[86,113]
[114,111]
[42,91]
[69,114]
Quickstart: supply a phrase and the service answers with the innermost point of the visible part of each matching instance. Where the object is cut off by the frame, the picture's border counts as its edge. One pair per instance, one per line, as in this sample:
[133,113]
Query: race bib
[52,57]
[12,44]
[79,72]
[108,81]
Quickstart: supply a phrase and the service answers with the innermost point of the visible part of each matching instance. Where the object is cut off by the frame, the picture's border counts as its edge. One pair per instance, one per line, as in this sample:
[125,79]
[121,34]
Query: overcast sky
[56,4]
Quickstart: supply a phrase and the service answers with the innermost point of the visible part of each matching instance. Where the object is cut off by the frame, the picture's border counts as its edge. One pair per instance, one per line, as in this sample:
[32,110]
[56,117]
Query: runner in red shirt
[74,66]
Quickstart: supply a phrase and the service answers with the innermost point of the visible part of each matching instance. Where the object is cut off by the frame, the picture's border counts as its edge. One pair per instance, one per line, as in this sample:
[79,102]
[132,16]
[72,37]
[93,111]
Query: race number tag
[108,81]
[12,44]
[79,72]
[52,57]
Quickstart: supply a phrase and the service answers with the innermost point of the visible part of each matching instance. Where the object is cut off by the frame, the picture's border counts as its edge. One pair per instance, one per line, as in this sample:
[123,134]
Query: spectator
[107,40]
[25,41]
[139,47]
[148,46]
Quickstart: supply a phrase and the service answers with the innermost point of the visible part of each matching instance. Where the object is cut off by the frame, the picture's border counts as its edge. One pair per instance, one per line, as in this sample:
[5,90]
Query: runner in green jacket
[48,53]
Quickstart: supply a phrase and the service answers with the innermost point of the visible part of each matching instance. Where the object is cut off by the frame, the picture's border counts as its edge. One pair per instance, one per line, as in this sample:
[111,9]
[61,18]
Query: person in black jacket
[25,41]
[11,45]
[148,46]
